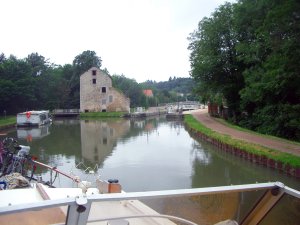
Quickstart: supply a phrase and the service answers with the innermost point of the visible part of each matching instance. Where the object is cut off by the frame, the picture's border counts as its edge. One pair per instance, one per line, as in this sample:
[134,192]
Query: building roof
[148,92]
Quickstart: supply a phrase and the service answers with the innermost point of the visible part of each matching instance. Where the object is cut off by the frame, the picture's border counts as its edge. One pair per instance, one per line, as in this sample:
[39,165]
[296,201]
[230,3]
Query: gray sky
[142,39]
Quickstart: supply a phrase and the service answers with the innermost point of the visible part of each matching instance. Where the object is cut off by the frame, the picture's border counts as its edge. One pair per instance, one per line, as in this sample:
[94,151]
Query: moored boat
[174,114]
[33,118]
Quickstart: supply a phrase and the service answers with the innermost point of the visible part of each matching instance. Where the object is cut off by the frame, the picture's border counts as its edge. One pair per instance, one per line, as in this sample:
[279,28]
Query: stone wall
[98,95]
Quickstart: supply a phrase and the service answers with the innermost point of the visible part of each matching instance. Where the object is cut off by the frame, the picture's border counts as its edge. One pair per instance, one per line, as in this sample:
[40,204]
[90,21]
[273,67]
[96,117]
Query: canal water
[154,154]
[144,155]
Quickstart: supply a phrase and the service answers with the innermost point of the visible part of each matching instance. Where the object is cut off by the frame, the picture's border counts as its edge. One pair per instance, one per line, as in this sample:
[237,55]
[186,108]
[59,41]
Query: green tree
[271,51]
[38,64]
[2,57]
[247,53]
[214,62]
[81,63]
[17,86]
[130,88]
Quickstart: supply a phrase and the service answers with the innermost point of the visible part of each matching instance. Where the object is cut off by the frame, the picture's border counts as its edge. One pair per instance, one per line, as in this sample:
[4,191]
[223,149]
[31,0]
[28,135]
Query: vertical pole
[78,213]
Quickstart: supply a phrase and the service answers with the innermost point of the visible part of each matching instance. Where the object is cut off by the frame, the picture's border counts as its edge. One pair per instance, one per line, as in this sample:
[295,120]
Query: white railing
[79,207]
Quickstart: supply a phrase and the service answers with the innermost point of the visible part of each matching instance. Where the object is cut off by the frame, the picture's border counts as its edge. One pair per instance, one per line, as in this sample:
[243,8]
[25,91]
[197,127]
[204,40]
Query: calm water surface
[151,154]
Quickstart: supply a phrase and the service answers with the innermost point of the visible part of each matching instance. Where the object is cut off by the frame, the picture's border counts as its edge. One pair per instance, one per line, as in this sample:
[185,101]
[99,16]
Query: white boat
[33,118]
[43,205]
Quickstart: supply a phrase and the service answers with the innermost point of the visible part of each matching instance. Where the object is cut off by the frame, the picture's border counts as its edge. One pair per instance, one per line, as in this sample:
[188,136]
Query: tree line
[173,90]
[245,56]
[35,83]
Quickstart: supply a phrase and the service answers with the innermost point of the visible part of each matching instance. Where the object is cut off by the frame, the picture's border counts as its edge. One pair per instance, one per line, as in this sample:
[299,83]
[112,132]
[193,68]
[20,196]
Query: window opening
[104,141]
[103,89]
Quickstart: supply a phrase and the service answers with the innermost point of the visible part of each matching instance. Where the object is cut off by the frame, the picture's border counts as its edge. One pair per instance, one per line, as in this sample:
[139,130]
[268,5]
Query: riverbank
[7,122]
[273,153]
[101,114]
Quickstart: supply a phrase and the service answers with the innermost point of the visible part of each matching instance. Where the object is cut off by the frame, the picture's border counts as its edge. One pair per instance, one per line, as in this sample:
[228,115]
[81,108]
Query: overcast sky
[142,39]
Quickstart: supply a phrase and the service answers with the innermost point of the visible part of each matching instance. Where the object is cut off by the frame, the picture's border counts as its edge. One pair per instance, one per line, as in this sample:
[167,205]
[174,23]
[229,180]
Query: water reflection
[30,133]
[162,151]
[227,169]
[152,154]
[148,154]
[99,137]
[199,154]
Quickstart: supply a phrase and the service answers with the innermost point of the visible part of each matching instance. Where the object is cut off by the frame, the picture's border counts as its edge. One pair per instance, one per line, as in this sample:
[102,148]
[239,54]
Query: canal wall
[254,158]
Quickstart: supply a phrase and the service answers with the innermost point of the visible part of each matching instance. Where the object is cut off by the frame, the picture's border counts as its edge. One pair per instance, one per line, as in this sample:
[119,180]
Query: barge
[33,118]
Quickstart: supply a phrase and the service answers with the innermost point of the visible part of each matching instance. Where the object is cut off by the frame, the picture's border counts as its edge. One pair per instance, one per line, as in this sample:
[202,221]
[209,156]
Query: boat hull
[33,118]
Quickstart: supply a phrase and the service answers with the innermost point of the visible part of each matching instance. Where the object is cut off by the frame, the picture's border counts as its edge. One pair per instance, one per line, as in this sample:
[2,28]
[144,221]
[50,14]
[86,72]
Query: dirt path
[203,117]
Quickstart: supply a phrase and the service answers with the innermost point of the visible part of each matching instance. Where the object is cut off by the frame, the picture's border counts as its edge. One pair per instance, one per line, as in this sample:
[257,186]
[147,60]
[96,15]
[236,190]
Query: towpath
[203,117]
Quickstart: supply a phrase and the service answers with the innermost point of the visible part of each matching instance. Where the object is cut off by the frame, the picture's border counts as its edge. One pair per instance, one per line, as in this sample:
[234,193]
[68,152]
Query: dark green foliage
[271,96]
[280,120]
[130,88]
[38,64]
[175,89]
[33,83]
[16,85]
[179,85]
[214,59]
[164,92]
[248,54]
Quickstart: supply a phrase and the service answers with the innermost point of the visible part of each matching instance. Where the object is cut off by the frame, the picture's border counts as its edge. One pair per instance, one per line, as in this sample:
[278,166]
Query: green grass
[101,114]
[224,122]
[274,154]
[7,121]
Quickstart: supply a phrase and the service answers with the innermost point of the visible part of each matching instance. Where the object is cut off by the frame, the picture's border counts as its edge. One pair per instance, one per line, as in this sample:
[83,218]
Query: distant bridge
[65,112]
[184,106]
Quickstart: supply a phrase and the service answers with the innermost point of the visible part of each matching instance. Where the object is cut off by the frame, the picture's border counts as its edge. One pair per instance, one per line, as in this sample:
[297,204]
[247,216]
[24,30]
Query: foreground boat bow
[76,207]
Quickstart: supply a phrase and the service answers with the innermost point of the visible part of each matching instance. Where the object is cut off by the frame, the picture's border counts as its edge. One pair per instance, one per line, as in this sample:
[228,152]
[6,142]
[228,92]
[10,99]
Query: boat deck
[104,211]
[43,205]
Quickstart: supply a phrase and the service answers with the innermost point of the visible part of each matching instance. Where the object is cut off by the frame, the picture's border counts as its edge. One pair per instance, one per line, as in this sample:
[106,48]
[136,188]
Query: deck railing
[79,207]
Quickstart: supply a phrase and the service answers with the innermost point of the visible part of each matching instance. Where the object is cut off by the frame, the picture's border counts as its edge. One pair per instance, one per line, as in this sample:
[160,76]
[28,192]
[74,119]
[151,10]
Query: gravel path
[203,117]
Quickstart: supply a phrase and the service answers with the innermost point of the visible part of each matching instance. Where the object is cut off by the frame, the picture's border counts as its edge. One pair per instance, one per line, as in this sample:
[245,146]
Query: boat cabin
[33,118]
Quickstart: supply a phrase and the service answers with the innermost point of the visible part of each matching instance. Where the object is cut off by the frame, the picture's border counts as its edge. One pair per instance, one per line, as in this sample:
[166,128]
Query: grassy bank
[285,158]
[7,121]
[101,114]
[224,122]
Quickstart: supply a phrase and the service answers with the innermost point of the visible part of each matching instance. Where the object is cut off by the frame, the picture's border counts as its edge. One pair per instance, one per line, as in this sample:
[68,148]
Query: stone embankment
[203,117]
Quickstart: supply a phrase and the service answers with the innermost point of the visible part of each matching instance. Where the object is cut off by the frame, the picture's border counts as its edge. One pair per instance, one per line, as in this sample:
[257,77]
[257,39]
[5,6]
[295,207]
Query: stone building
[98,95]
